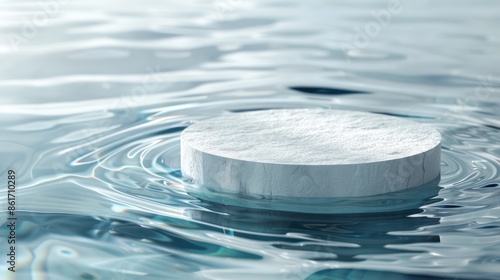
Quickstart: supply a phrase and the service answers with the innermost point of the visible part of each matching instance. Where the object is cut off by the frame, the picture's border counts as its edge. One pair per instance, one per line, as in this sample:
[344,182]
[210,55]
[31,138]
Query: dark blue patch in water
[87,276]
[492,126]
[169,130]
[488,227]
[359,274]
[327,91]
[448,206]
[248,110]
[403,115]
[489,186]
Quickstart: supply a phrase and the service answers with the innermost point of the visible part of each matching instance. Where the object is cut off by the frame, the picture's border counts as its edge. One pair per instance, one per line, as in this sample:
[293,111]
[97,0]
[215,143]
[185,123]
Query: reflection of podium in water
[340,237]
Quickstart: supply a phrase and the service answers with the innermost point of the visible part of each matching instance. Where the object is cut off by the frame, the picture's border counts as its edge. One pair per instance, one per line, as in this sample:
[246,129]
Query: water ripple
[99,96]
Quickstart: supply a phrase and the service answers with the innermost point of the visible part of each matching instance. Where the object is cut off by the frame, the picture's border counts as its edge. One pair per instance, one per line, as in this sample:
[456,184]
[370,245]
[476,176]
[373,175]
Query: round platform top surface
[311,137]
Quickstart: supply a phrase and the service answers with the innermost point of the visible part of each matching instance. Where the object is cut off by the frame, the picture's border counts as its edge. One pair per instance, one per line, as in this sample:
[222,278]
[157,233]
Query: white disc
[309,153]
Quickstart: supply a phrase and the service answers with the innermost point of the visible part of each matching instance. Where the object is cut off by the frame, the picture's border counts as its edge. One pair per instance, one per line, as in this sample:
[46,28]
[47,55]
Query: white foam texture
[310,153]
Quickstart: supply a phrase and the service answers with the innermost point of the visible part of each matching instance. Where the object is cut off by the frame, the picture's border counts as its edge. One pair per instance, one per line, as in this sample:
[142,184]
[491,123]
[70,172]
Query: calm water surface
[94,96]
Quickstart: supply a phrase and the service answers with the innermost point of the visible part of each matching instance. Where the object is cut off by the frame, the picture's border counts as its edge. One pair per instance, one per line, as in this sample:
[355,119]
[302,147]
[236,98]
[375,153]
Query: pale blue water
[94,95]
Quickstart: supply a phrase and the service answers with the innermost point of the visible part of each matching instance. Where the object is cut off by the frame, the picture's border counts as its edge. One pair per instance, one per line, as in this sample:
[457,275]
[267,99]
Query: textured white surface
[309,153]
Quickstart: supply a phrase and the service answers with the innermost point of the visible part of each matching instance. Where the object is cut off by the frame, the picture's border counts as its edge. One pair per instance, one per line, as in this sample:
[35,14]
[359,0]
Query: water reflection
[341,237]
